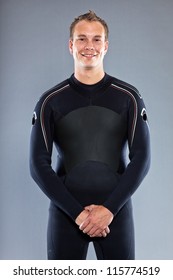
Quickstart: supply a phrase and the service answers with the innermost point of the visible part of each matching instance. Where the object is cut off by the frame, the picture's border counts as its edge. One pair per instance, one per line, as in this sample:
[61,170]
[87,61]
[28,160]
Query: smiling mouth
[88,55]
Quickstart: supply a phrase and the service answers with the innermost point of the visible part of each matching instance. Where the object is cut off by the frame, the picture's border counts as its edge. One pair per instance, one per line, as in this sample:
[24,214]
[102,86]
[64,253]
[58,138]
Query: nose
[89,46]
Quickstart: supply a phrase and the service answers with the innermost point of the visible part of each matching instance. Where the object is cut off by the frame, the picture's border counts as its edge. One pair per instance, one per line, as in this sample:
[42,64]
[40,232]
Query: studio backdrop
[34,57]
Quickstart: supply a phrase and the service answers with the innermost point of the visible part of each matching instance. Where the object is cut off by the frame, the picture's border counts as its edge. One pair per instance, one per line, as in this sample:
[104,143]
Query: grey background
[34,57]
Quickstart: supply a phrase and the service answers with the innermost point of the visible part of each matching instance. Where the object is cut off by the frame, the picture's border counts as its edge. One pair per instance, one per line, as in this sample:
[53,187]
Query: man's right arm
[41,143]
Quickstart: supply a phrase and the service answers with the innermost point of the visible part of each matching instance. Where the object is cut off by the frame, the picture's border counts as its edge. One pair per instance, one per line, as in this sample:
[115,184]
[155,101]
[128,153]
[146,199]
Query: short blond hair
[90,16]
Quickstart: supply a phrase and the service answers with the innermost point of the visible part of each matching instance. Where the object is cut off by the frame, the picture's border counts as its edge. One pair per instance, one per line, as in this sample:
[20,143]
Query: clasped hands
[94,220]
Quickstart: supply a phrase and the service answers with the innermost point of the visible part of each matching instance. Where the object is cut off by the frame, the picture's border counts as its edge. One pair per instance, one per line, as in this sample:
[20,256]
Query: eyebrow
[83,35]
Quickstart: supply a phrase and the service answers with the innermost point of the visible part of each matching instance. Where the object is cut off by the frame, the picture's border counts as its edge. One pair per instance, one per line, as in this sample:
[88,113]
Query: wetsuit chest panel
[90,133]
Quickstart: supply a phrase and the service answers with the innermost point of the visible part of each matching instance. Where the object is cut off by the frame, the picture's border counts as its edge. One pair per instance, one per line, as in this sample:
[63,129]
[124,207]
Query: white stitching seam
[42,113]
[135,111]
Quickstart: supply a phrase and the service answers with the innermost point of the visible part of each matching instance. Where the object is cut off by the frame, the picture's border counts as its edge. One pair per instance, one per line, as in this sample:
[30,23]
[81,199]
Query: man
[91,118]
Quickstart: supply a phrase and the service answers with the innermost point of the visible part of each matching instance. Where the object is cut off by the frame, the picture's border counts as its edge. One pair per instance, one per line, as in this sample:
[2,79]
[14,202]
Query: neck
[89,76]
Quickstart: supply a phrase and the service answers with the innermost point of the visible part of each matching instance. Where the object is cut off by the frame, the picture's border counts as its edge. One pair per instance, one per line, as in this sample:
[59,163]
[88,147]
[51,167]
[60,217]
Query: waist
[91,182]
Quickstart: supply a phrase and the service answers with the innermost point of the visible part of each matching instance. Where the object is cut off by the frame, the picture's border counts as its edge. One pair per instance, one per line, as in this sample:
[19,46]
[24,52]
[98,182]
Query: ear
[106,47]
[70,45]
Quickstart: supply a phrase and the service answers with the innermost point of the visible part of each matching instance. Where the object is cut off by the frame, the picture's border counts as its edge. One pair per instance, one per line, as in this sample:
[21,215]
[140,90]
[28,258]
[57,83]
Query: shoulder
[54,91]
[44,104]
[126,88]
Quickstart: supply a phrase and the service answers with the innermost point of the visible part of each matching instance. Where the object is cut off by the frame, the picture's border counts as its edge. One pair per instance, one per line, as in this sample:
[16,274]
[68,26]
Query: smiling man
[93,119]
[88,44]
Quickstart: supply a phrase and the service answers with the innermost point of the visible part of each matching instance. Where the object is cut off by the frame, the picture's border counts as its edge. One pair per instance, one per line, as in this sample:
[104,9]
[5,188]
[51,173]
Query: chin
[89,67]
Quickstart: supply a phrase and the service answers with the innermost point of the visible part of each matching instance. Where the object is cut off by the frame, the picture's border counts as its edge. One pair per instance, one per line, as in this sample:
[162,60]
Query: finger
[90,207]
[104,233]
[101,234]
[96,235]
[107,230]
[93,229]
[84,224]
[95,232]
[87,226]
[90,229]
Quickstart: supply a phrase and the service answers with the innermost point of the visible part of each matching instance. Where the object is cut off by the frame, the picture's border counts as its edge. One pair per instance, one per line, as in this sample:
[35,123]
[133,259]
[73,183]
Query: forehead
[89,28]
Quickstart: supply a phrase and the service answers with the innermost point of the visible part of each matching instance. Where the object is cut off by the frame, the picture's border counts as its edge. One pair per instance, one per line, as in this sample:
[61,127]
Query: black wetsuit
[91,127]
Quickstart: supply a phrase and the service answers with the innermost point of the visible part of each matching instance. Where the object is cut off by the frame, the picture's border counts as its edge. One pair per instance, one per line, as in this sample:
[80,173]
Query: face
[88,45]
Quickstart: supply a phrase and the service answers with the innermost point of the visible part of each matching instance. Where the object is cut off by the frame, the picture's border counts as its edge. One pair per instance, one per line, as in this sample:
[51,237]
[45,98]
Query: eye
[81,39]
[97,39]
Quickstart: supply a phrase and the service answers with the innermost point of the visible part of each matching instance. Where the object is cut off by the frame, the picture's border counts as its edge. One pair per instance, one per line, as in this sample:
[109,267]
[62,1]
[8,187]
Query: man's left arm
[139,156]
[136,170]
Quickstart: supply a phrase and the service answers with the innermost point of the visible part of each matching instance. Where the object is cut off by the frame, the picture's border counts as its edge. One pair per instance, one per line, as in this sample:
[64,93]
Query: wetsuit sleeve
[139,156]
[41,143]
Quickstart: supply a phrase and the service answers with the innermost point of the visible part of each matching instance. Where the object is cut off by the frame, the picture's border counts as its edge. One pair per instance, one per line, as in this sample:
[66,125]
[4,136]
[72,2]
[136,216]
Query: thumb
[90,207]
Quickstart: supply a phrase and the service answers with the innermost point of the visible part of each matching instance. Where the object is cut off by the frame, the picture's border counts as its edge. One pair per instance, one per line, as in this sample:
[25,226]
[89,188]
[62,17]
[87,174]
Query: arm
[40,161]
[139,148]
[139,155]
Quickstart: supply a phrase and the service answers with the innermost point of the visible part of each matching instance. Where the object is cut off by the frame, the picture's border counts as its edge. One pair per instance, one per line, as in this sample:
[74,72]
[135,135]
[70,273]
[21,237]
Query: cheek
[100,49]
[76,49]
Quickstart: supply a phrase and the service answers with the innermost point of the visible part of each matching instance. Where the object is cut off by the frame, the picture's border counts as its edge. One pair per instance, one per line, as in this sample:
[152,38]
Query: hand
[97,222]
[83,216]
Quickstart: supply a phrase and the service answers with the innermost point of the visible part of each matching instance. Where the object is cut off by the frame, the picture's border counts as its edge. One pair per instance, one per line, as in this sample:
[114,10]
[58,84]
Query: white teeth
[88,55]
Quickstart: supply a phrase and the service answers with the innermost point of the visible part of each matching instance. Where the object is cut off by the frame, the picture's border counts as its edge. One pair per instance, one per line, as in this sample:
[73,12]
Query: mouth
[88,55]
